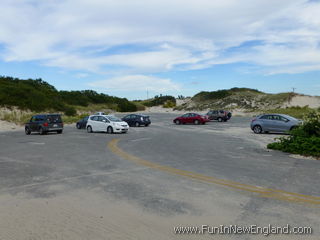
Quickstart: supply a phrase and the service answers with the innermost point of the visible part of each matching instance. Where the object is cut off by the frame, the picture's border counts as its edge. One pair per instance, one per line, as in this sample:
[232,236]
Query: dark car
[137,120]
[191,118]
[220,115]
[82,123]
[44,123]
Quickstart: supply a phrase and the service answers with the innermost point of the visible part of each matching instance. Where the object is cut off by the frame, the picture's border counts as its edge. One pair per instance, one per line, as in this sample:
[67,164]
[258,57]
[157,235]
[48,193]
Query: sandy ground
[9,126]
[301,101]
[78,215]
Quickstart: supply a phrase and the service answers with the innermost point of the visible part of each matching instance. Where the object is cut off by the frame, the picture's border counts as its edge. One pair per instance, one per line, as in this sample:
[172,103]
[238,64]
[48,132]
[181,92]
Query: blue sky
[126,48]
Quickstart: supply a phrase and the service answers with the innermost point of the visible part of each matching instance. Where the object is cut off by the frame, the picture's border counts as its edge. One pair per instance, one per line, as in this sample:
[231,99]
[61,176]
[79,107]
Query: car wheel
[147,125]
[27,131]
[177,122]
[257,129]
[59,131]
[89,129]
[78,126]
[219,119]
[137,124]
[196,122]
[109,130]
[293,127]
[41,131]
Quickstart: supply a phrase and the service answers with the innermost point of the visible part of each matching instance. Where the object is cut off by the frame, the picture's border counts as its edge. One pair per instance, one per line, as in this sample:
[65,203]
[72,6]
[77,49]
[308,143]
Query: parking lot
[80,185]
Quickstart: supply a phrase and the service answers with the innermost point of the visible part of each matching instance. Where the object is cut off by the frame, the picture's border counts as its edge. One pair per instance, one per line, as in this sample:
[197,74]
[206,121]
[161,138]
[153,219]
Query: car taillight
[253,120]
[45,124]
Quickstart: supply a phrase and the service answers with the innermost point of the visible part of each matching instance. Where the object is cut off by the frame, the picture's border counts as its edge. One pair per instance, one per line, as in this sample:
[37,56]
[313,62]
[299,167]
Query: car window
[221,111]
[215,112]
[94,118]
[264,117]
[100,119]
[284,119]
[85,118]
[33,119]
[114,119]
[276,117]
[54,118]
[185,115]
[39,118]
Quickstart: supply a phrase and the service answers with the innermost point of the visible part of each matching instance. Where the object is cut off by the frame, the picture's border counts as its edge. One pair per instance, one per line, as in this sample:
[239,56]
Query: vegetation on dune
[304,140]
[297,112]
[237,98]
[38,95]
[220,94]
[160,100]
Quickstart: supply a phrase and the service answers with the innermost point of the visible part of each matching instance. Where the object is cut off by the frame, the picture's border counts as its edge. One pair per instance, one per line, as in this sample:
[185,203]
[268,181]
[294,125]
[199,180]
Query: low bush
[304,140]
[169,104]
[159,100]
[70,111]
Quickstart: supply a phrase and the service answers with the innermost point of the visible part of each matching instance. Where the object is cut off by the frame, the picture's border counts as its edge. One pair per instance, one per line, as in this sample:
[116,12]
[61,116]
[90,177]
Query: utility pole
[291,95]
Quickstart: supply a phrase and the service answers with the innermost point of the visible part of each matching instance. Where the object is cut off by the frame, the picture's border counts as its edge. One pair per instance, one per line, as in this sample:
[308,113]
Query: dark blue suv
[44,123]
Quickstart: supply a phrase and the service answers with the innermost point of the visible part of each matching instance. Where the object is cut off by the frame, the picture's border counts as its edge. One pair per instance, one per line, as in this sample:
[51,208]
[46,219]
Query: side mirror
[103,120]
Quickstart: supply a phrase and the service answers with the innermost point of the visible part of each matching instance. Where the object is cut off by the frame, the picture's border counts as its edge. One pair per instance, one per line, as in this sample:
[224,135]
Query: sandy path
[84,215]
[9,126]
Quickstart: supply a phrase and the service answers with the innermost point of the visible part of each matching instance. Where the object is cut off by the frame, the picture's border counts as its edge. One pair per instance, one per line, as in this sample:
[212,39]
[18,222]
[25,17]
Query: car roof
[278,114]
[141,115]
[50,114]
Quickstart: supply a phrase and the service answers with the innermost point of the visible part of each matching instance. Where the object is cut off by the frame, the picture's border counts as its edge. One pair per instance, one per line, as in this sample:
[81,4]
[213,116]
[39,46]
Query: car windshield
[114,119]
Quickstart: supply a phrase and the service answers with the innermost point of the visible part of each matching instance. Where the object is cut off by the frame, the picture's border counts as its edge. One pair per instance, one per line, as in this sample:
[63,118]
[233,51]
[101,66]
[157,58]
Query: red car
[191,118]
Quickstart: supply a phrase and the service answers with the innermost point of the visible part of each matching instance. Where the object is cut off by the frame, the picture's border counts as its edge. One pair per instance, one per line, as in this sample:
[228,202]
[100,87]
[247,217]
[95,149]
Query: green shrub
[304,140]
[169,104]
[70,111]
[159,100]
[38,96]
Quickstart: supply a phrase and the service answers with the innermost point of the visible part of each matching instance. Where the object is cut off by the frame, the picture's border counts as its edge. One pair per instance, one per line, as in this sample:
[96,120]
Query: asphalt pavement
[218,173]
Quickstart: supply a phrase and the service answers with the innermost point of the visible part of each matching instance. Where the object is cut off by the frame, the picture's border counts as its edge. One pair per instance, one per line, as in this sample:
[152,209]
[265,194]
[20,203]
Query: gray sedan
[274,123]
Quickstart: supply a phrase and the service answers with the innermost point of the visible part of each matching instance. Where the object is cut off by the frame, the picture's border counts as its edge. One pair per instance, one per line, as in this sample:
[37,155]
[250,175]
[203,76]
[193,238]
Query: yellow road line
[263,192]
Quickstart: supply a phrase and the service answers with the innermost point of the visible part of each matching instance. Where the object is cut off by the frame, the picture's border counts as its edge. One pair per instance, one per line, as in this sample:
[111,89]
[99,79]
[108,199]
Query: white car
[106,123]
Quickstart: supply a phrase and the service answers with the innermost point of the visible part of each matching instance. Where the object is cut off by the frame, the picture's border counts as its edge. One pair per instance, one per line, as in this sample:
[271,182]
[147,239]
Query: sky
[141,48]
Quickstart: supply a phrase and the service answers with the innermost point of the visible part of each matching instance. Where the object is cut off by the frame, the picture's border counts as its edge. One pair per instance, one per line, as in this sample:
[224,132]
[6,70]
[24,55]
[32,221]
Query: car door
[185,118]
[279,123]
[266,122]
[32,123]
[105,123]
[191,117]
[215,115]
[132,119]
[39,121]
[101,124]
[95,124]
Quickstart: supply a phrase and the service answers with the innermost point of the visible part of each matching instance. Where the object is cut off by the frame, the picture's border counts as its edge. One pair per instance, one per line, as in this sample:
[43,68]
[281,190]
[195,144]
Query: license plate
[55,125]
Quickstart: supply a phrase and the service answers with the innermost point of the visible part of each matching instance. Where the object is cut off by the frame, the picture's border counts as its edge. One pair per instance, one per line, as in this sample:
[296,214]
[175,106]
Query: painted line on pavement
[262,191]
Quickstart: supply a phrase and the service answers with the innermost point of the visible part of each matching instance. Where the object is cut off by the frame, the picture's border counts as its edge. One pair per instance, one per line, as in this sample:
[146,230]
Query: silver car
[274,123]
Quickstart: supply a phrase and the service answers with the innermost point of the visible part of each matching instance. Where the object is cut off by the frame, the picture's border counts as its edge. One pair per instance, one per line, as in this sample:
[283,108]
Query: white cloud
[136,83]
[156,36]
